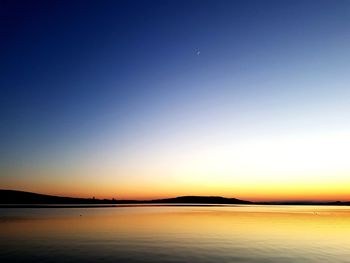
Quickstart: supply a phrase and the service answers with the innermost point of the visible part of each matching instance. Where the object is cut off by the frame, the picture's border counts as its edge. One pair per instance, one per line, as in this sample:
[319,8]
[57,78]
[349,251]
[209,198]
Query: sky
[152,99]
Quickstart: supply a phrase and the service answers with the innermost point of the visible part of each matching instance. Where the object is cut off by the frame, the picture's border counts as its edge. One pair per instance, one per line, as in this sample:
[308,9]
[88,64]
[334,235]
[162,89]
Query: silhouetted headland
[27,198]
[201,200]
[16,198]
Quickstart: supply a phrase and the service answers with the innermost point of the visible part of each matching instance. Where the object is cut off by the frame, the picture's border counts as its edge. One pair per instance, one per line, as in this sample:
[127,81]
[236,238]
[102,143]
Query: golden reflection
[242,233]
[251,222]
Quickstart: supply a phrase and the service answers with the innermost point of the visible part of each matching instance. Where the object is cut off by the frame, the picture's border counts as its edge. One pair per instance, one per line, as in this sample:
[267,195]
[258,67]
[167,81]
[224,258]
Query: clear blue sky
[165,91]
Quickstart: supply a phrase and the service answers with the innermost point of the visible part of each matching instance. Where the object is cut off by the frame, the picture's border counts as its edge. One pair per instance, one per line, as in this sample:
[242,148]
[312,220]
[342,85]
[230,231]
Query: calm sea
[176,234]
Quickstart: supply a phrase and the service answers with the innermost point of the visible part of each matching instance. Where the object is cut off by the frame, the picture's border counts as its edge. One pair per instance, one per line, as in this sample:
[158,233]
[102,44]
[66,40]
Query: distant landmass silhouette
[21,197]
[16,198]
[202,200]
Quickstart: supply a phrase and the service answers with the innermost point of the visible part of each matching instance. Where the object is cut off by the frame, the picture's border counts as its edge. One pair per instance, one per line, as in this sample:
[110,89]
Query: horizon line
[182,196]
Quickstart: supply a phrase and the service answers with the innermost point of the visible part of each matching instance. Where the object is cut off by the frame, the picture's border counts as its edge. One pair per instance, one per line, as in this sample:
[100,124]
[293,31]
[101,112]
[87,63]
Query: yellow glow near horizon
[276,168]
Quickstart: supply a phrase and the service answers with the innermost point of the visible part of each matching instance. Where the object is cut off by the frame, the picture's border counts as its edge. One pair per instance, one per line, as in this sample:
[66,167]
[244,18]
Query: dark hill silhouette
[21,197]
[14,197]
[202,200]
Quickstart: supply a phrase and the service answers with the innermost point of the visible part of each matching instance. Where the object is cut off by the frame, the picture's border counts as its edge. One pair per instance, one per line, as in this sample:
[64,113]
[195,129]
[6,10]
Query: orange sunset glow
[187,131]
[236,112]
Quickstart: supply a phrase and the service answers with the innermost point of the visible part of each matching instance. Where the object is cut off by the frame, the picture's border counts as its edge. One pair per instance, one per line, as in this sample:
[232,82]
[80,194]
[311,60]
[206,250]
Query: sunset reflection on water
[177,234]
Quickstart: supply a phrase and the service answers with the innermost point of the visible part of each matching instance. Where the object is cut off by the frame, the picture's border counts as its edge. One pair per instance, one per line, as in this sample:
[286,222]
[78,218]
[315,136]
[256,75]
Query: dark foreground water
[176,234]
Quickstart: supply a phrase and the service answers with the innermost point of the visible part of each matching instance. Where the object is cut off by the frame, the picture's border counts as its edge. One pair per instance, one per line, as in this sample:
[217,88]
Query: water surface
[247,233]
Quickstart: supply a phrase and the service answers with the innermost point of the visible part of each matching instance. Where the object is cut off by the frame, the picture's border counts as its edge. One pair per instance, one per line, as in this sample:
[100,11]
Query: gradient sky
[148,99]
